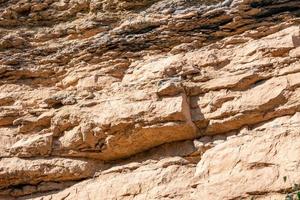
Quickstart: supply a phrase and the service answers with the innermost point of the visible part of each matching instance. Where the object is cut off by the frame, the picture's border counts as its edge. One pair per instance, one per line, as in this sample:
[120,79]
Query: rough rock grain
[149,99]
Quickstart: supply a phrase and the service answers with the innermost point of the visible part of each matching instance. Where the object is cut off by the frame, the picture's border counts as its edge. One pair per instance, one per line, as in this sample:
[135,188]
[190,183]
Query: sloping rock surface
[161,99]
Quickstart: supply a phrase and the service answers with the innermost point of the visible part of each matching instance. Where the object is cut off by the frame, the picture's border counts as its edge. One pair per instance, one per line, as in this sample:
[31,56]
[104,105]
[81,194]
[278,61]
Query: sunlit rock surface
[162,99]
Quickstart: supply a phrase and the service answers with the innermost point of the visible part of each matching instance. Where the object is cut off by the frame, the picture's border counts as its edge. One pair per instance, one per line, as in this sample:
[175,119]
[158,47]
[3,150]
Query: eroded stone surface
[162,85]
[263,161]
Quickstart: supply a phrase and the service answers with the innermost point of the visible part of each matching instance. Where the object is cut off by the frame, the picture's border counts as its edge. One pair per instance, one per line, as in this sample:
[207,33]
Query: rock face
[161,99]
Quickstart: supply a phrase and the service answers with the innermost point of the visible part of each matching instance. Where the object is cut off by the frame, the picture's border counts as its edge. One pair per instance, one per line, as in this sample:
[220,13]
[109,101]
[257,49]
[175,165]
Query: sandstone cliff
[149,99]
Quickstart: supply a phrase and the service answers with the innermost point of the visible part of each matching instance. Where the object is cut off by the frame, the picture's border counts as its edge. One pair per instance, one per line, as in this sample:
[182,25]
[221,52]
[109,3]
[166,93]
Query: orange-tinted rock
[131,95]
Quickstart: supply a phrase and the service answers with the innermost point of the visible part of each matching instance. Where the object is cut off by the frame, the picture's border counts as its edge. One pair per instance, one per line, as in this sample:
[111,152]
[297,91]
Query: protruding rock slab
[263,161]
[17,171]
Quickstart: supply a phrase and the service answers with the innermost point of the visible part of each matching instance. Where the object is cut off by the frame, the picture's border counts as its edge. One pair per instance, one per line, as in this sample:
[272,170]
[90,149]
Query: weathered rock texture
[149,99]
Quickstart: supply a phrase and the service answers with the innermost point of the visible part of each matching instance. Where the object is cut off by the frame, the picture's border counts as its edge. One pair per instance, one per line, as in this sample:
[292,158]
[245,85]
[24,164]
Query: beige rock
[151,88]
[145,124]
[251,165]
[16,171]
[155,180]
[268,171]
[33,145]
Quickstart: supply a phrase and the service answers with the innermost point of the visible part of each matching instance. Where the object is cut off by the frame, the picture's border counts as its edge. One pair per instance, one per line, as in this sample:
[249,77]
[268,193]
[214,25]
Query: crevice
[41,187]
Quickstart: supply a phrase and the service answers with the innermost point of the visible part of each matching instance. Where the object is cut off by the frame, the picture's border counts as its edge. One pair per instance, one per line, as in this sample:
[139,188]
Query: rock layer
[149,99]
